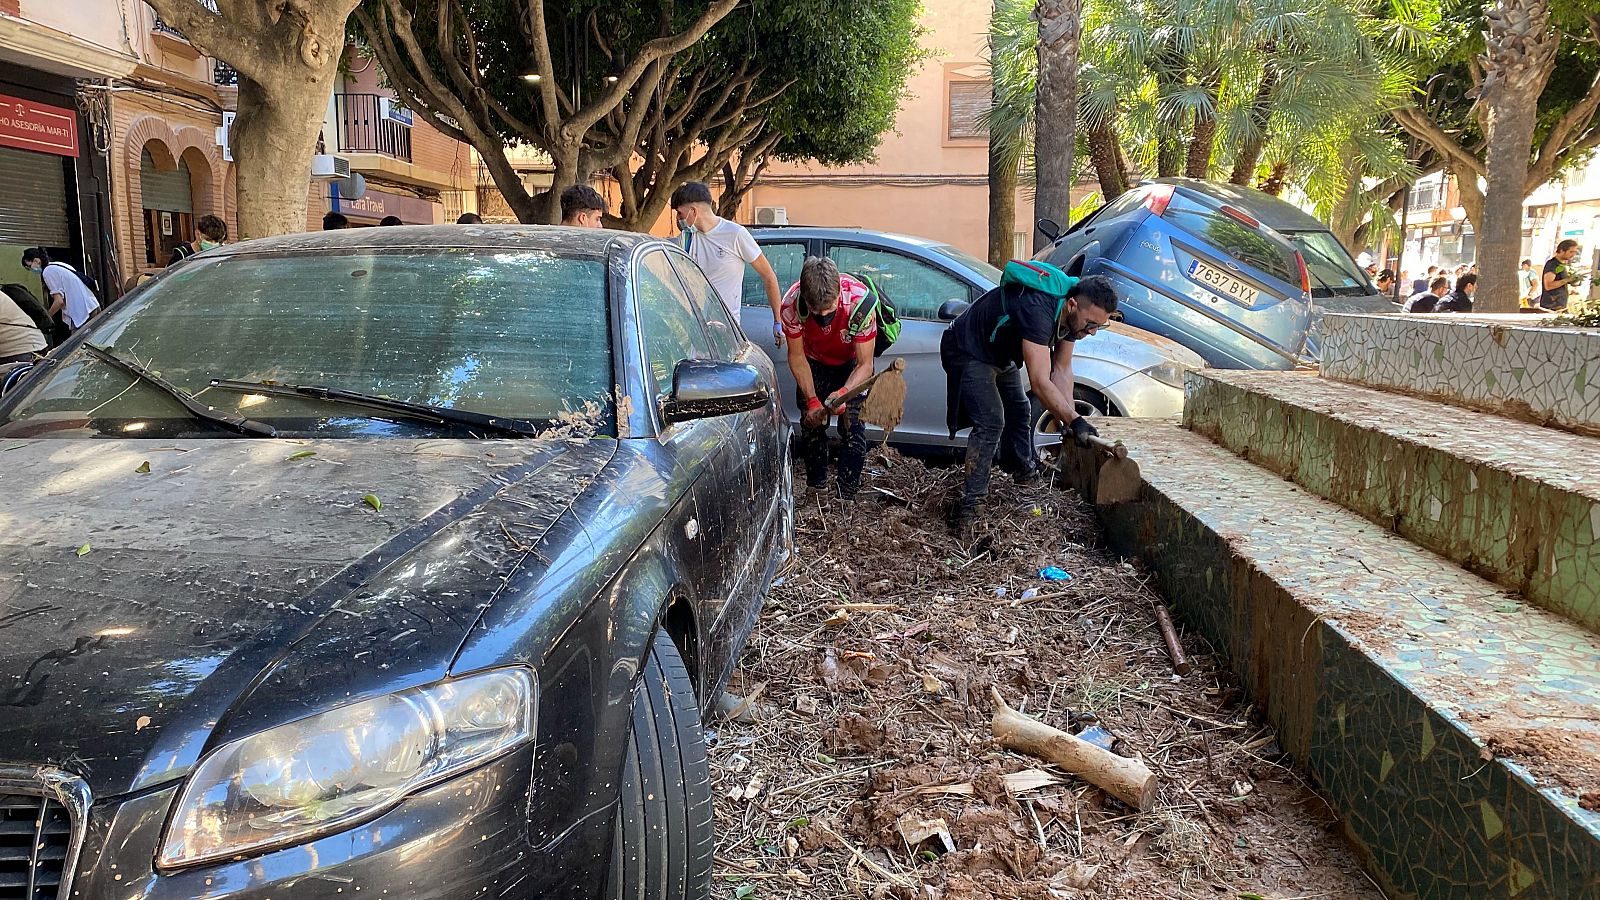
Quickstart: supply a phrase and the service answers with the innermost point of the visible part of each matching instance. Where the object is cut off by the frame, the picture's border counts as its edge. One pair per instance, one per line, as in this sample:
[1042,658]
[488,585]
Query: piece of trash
[84,550]
[1055,573]
[1030,593]
[1242,788]
[807,705]
[144,468]
[140,723]
[931,684]
[916,831]
[1097,736]
[839,618]
[738,763]
[755,787]
[372,501]
[303,454]
[999,592]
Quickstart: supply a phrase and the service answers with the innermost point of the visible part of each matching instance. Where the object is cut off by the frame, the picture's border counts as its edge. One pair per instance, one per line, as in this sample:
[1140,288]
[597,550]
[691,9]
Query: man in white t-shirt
[67,295]
[723,248]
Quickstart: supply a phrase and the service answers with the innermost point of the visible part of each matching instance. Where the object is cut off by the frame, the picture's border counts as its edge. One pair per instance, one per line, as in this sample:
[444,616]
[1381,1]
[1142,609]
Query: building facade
[56,58]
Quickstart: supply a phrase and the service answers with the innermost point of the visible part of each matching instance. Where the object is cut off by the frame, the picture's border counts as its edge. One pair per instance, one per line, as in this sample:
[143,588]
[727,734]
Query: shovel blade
[1118,481]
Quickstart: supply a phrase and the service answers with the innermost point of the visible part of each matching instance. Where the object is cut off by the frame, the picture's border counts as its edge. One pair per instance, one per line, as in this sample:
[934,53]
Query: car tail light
[1157,198]
[1305,274]
[1240,216]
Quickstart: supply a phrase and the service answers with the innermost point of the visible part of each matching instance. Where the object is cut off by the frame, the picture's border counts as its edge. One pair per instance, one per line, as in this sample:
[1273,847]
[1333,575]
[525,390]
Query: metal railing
[223,74]
[364,127]
[161,25]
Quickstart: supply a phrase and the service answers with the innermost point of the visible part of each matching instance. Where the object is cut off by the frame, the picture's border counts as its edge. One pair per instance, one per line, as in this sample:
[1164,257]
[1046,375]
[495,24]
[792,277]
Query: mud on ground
[872,665]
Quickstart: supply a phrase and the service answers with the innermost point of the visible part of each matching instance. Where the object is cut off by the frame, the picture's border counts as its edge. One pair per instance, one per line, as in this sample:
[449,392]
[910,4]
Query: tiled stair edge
[1524,534]
[1432,816]
[1544,375]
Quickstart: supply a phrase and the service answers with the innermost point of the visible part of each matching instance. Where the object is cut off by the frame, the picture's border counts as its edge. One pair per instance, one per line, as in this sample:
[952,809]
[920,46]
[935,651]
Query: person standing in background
[1559,276]
[213,233]
[67,296]
[469,218]
[582,207]
[20,334]
[723,248]
[1527,284]
[335,222]
[1460,299]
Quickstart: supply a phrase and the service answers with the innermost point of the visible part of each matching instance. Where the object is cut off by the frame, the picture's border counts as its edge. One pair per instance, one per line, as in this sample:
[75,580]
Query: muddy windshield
[518,335]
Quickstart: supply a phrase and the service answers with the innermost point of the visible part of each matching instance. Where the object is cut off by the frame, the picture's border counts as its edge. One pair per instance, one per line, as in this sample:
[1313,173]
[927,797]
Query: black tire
[662,840]
[1089,402]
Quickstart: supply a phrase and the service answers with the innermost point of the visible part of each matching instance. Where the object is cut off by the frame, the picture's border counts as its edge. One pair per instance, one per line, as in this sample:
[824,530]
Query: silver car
[1120,371]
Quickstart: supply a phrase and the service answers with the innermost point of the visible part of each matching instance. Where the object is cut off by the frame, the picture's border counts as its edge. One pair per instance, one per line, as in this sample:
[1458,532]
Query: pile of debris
[866,764]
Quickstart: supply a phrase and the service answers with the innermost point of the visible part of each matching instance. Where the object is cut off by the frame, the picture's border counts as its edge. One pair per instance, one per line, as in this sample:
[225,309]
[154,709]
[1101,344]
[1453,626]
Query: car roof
[827,232]
[1279,215]
[555,238]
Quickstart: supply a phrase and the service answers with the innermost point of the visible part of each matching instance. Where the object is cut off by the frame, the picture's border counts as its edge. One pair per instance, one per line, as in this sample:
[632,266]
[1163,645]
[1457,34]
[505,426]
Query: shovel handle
[1110,448]
[898,365]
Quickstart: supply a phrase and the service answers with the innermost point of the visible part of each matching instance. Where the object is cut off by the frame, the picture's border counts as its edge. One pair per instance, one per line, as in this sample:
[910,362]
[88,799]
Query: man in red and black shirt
[829,354]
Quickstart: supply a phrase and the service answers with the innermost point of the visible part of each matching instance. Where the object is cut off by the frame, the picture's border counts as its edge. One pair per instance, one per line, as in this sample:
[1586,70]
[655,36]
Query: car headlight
[1170,373]
[323,773]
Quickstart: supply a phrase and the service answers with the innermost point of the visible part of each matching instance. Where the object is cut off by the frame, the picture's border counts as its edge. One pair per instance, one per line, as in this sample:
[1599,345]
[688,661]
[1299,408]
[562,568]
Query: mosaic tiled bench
[1452,726]
[1549,375]
[1513,502]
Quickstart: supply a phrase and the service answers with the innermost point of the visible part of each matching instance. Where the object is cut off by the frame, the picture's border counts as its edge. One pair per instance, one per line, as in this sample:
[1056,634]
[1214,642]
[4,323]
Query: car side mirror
[951,309]
[704,389]
[1049,229]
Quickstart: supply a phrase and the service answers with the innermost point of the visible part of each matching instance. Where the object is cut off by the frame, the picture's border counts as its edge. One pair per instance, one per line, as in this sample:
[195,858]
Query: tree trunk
[1103,153]
[1002,200]
[1518,59]
[273,139]
[1201,142]
[1276,179]
[1056,108]
[1244,165]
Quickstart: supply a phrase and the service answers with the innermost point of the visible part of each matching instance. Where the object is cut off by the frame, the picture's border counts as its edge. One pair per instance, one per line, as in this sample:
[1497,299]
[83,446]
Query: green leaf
[84,550]
[825,759]
[301,455]
[743,891]
[372,501]
[801,822]
[144,468]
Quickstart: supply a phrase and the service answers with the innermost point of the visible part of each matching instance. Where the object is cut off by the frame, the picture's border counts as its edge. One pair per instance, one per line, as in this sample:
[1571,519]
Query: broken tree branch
[1129,780]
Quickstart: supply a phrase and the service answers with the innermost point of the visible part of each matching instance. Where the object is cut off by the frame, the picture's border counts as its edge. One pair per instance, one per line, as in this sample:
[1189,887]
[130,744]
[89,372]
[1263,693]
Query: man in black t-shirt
[983,351]
[1558,276]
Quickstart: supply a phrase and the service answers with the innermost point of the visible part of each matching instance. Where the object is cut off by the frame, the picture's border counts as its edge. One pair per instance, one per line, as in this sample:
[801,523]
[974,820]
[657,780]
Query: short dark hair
[1432,269]
[1386,273]
[469,218]
[1566,245]
[693,192]
[1527,262]
[334,221]
[390,220]
[1095,289]
[33,253]
[212,227]
[580,198]
[1463,281]
[1440,282]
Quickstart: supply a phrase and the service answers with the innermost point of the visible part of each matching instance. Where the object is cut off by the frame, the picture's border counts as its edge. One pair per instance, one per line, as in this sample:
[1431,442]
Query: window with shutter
[969,100]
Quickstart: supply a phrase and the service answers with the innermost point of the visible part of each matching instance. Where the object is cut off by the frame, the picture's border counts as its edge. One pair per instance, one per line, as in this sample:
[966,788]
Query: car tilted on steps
[400,561]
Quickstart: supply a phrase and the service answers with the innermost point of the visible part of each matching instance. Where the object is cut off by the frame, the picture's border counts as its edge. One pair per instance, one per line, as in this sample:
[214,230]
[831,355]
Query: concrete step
[1513,502]
[1455,728]
[1513,365]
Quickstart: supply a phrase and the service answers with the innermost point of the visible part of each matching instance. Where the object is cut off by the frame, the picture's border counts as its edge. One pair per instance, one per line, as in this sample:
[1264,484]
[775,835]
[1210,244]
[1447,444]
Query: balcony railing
[365,126]
[162,27]
[223,74]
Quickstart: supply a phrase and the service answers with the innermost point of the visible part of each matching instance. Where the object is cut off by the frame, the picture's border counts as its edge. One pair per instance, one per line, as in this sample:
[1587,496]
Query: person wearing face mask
[71,302]
[829,353]
[213,233]
[1033,318]
[723,248]
[582,207]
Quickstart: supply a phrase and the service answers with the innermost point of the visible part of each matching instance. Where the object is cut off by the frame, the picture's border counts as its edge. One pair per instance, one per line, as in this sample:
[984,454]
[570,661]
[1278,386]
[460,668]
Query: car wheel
[662,839]
[1088,402]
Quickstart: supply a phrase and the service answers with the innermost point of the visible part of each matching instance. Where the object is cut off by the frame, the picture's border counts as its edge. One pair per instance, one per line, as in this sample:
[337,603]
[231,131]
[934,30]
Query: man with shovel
[1032,318]
[830,352]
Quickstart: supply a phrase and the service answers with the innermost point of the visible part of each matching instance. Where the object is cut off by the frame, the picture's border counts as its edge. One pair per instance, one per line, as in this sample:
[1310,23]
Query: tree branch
[1425,129]
[1553,153]
[215,35]
[544,66]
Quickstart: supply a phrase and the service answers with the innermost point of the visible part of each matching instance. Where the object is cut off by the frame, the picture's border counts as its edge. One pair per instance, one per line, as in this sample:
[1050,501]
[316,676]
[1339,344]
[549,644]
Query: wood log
[1129,780]
[1169,634]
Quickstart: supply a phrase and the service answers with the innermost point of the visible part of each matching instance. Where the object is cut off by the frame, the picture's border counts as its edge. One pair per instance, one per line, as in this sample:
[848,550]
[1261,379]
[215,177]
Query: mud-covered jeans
[814,441]
[997,403]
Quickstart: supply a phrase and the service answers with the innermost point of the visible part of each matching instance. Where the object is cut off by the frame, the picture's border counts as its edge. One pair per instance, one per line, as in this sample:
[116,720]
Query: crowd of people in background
[1442,289]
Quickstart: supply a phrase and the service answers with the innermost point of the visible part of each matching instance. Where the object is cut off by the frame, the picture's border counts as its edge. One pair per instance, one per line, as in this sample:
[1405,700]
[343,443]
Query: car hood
[146,586]
[1148,348]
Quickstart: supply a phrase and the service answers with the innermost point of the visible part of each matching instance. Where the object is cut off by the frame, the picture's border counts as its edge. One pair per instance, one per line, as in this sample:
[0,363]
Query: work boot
[962,517]
[1026,476]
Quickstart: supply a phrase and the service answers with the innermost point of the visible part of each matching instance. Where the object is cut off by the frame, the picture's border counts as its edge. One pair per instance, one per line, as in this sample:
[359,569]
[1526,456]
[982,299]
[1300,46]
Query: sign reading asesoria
[37,126]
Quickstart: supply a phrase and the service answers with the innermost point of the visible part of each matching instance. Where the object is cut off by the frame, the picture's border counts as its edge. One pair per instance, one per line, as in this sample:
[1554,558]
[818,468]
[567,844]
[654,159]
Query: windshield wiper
[187,400]
[438,415]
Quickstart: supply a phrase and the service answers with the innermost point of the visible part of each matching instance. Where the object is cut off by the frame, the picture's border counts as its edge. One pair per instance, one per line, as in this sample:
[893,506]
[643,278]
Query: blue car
[1234,274]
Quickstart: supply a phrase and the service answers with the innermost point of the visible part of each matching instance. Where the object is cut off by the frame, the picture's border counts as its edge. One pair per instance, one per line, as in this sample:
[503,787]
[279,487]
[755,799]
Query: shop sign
[377,204]
[27,125]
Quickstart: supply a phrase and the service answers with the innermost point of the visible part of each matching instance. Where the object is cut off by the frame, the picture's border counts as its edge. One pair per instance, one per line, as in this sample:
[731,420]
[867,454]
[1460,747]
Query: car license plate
[1227,285]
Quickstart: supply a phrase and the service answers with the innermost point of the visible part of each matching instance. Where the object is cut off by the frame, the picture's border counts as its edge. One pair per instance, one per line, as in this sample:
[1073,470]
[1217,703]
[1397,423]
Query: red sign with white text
[36,126]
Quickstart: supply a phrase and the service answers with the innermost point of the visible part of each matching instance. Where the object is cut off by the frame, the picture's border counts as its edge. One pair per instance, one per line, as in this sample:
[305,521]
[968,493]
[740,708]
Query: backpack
[85,277]
[876,303]
[1037,276]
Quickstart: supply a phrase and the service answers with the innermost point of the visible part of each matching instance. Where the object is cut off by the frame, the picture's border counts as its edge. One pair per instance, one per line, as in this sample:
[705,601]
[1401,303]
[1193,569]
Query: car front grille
[42,817]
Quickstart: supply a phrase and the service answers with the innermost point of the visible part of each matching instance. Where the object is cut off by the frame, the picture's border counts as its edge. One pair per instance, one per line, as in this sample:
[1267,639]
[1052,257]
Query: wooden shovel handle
[898,365]
[1111,448]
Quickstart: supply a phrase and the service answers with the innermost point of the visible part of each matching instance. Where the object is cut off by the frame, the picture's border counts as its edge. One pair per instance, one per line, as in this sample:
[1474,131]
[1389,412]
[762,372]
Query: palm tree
[1056,105]
[1013,71]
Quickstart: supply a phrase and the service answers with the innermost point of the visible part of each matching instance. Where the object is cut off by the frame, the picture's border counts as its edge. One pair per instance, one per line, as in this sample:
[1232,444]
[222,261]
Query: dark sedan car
[1234,274]
[393,563]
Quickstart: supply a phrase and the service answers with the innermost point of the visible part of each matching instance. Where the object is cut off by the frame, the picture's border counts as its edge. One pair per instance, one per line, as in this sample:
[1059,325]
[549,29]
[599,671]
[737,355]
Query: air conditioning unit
[327,167]
[772,215]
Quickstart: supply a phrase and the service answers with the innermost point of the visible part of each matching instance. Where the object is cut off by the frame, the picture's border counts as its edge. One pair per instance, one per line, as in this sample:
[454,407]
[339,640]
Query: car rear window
[520,334]
[1233,238]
